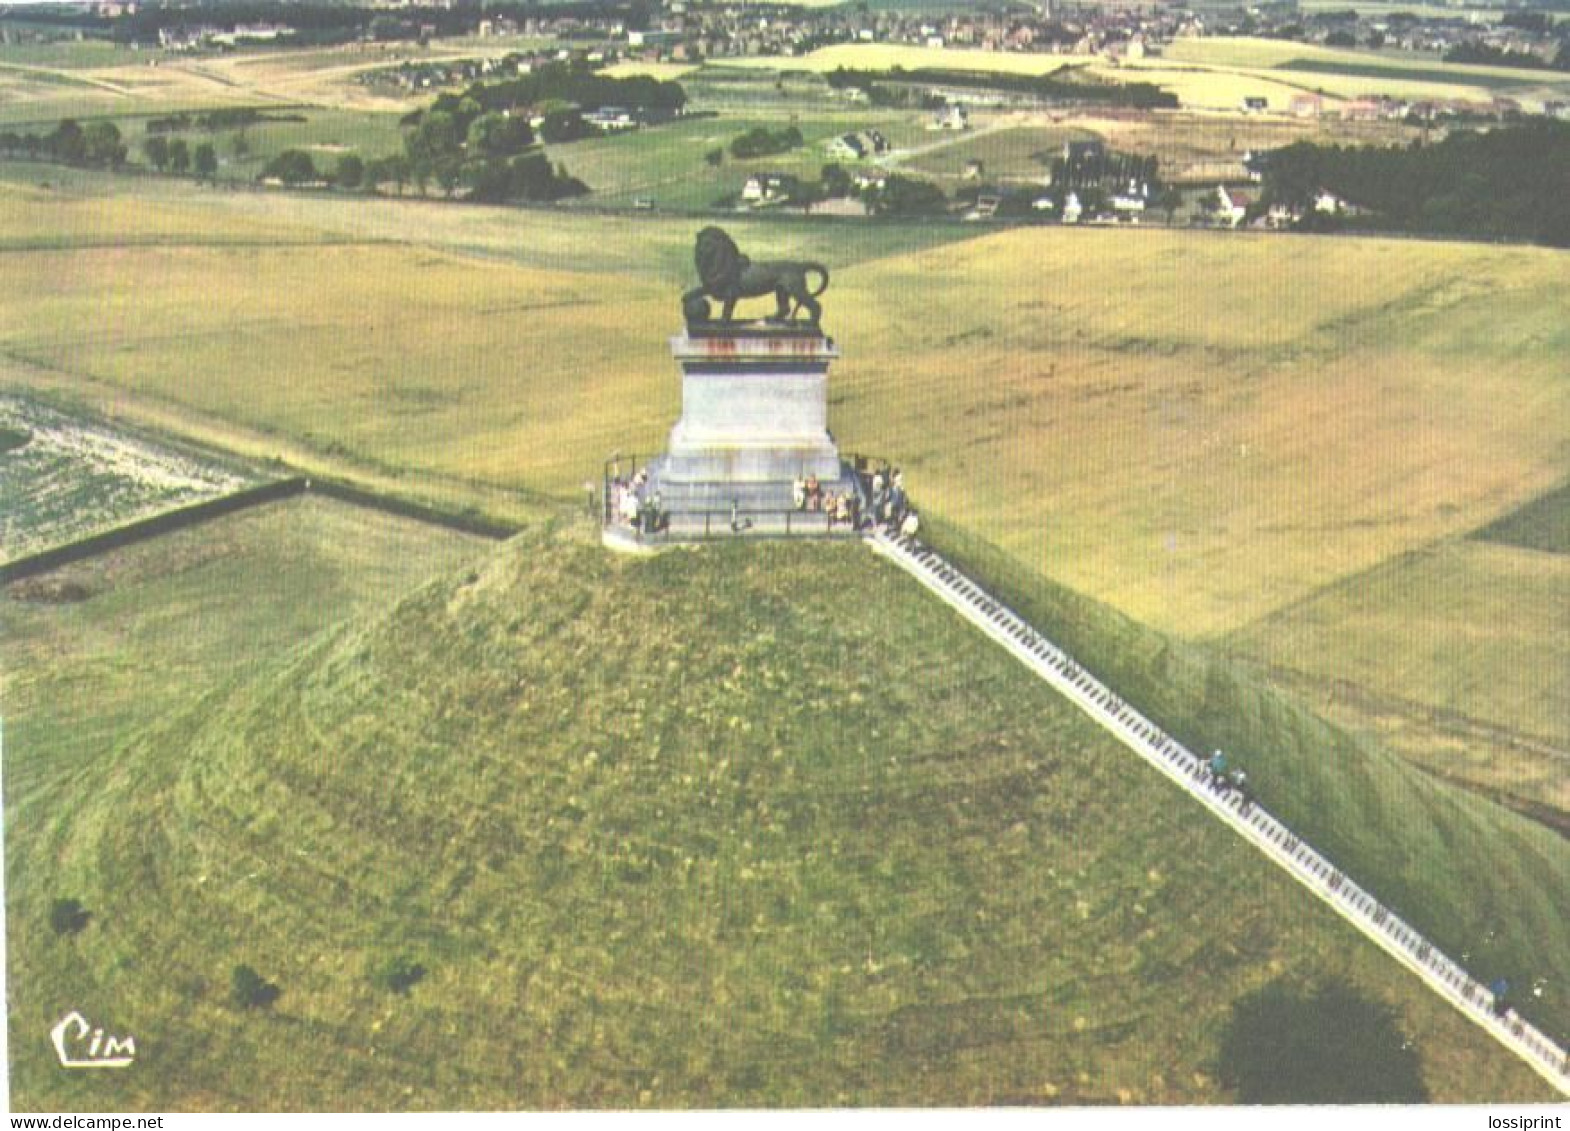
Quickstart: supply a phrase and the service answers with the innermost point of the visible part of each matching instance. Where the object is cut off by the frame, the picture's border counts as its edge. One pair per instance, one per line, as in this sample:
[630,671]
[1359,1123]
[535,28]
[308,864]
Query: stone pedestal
[754,419]
[754,409]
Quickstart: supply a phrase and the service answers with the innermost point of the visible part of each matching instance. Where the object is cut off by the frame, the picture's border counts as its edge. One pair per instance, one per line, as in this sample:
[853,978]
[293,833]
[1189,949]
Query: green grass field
[684,848]
[1021,153]
[667,163]
[1458,653]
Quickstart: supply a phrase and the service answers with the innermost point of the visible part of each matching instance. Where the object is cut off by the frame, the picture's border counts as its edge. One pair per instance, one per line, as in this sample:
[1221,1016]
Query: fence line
[167,522]
[1250,820]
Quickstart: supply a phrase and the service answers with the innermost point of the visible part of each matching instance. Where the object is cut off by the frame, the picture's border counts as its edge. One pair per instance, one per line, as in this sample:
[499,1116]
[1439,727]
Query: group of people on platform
[632,503]
[888,507]
[891,507]
[841,509]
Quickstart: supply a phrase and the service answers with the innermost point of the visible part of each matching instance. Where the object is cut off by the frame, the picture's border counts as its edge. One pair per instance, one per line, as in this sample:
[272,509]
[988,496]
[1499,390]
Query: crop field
[41,94]
[85,80]
[1219,72]
[326,135]
[696,866]
[883,56]
[1457,657]
[63,479]
[665,72]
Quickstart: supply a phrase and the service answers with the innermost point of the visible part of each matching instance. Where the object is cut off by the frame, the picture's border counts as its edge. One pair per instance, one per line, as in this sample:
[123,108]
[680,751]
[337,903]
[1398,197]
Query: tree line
[1507,183]
[95,145]
[574,83]
[896,86]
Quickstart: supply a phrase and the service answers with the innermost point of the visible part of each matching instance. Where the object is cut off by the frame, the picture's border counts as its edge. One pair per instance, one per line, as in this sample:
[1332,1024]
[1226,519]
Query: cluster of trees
[897,196]
[764,142]
[575,83]
[899,86]
[1103,168]
[174,155]
[97,144]
[237,117]
[1507,183]
[459,142]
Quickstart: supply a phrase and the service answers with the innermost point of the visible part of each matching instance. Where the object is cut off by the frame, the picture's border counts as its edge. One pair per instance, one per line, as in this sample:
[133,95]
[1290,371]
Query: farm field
[883,56]
[1218,73]
[63,479]
[1012,152]
[667,164]
[695,866]
[1458,657]
[1149,450]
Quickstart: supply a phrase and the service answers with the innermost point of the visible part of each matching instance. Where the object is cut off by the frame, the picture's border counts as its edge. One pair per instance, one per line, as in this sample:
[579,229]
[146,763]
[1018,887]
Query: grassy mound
[756,825]
[1480,881]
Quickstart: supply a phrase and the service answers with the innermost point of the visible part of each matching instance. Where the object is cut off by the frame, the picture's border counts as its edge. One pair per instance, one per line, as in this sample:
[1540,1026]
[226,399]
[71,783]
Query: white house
[951,118]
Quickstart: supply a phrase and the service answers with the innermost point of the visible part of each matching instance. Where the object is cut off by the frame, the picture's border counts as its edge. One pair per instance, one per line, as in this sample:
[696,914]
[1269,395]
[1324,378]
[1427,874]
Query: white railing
[1248,819]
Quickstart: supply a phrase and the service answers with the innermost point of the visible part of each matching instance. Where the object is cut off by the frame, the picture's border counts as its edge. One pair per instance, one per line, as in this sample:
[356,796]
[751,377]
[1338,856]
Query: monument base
[753,433]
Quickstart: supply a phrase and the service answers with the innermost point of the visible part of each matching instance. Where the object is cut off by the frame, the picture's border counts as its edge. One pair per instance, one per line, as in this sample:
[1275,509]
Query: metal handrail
[1359,907]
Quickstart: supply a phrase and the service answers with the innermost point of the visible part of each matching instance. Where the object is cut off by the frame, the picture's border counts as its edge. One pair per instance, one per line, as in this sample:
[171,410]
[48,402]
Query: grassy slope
[1454,867]
[167,620]
[758,825]
[1468,632]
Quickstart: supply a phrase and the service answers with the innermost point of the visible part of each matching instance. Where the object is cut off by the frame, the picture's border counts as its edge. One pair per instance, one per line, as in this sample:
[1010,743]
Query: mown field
[686,867]
[883,56]
[1218,73]
[1458,657]
[63,479]
[1014,153]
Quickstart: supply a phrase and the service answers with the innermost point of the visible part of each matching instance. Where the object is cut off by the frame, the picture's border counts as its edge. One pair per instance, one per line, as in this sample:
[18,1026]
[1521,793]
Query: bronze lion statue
[728,276]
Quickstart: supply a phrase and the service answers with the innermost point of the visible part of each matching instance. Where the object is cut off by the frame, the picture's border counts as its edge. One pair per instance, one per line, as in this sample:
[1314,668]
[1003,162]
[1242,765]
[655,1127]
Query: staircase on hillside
[1248,819]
